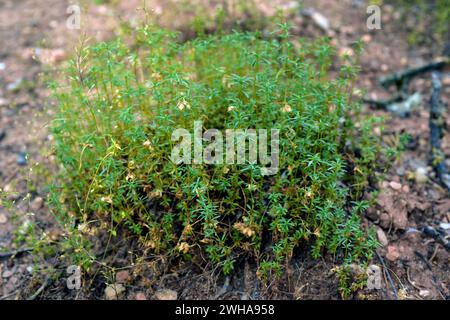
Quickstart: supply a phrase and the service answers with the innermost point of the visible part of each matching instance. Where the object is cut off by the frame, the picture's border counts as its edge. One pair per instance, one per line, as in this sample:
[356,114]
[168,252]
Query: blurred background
[38,36]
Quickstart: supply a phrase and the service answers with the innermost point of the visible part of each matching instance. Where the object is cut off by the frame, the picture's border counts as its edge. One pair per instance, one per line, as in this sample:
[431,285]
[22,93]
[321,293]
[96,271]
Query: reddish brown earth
[34,45]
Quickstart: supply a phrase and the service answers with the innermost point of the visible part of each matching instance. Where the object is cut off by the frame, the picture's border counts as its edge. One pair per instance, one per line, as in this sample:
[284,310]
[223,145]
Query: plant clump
[113,130]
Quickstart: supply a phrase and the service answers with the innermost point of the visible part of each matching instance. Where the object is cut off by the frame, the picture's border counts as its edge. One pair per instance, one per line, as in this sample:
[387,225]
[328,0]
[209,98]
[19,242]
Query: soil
[35,42]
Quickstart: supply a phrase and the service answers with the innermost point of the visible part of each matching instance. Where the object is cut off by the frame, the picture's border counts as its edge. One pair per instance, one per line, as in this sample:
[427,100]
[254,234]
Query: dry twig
[13,253]
[386,271]
[437,123]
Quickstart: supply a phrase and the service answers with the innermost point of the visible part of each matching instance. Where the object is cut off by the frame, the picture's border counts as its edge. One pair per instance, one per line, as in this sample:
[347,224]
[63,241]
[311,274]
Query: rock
[415,163]
[366,38]
[444,226]
[11,193]
[21,159]
[122,276]
[405,188]
[424,293]
[3,102]
[412,231]
[36,204]
[114,291]
[395,207]
[392,254]
[7,274]
[395,185]
[400,219]
[3,218]
[385,220]
[446,81]
[420,175]
[166,294]
[404,108]
[400,171]
[319,19]
[140,296]
[8,188]
[14,86]
[382,237]
[53,24]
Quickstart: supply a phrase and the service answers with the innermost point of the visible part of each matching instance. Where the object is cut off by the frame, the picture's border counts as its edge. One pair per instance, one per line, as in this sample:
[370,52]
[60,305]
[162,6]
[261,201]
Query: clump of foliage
[122,102]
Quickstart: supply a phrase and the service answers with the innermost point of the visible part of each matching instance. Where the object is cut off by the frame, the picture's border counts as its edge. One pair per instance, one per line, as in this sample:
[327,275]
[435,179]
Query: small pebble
[21,159]
[424,293]
[366,38]
[445,226]
[8,188]
[36,204]
[3,102]
[400,171]
[7,274]
[319,19]
[122,276]
[140,296]
[382,237]
[405,188]
[53,24]
[13,86]
[446,81]
[3,218]
[392,254]
[421,175]
[166,294]
[395,185]
[114,291]
[411,230]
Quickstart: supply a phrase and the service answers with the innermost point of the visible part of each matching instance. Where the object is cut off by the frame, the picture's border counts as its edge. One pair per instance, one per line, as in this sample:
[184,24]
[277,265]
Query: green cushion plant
[113,138]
